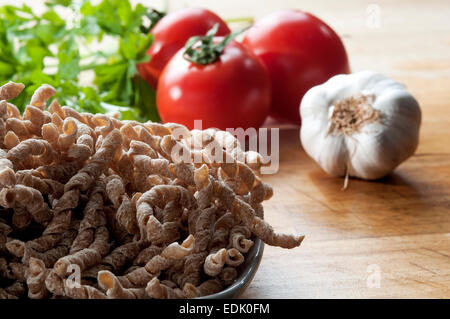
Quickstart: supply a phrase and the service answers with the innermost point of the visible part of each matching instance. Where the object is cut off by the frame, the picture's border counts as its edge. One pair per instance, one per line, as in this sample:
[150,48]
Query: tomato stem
[203,50]
[153,16]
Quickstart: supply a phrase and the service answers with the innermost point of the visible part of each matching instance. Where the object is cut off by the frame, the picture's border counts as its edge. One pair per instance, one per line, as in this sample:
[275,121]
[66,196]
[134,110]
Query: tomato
[300,51]
[170,35]
[232,92]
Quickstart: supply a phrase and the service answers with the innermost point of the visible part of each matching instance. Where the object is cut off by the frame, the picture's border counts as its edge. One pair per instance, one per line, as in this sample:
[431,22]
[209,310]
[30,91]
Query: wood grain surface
[398,226]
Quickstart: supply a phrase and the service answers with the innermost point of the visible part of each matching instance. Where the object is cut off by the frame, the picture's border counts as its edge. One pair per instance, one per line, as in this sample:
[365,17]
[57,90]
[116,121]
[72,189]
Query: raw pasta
[92,207]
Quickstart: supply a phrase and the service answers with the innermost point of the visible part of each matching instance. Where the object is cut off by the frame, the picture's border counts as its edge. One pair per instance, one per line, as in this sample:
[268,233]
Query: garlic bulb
[363,125]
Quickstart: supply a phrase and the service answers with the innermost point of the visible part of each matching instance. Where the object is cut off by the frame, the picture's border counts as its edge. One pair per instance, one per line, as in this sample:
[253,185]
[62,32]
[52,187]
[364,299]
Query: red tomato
[232,92]
[171,34]
[300,51]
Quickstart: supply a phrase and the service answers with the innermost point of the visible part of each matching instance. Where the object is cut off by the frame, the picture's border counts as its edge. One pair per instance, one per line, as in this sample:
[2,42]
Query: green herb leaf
[45,48]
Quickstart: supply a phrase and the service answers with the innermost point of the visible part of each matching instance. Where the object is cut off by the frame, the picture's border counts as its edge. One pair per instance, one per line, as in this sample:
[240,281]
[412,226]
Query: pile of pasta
[95,207]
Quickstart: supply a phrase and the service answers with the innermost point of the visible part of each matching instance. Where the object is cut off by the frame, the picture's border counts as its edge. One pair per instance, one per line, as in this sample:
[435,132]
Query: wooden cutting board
[388,238]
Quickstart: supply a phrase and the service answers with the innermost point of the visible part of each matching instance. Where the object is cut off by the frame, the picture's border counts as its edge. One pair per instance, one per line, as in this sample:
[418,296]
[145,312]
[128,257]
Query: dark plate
[248,271]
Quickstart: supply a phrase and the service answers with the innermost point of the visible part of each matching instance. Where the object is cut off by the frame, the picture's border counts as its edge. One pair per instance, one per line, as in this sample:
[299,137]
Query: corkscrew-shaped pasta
[28,198]
[41,150]
[141,275]
[87,257]
[10,90]
[36,279]
[156,289]
[159,196]
[110,200]
[7,174]
[93,218]
[41,96]
[50,256]
[126,209]
[208,287]
[114,288]
[240,238]
[214,262]
[201,224]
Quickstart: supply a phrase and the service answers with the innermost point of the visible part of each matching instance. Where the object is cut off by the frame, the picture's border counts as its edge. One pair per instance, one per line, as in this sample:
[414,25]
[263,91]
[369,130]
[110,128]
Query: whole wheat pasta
[60,172]
[17,271]
[228,275]
[173,211]
[21,219]
[98,163]
[4,294]
[3,118]
[184,172]
[160,233]
[36,279]
[221,230]
[41,149]
[138,147]
[58,122]
[17,289]
[147,254]
[41,96]
[13,111]
[260,192]
[157,129]
[70,112]
[262,229]
[174,151]
[50,133]
[141,275]
[55,284]
[93,218]
[159,196]
[87,257]
[240,238]
[146,137]
[114,197]
[122,255]
[83,292]
[158,290]
[201,224]
[114,288]
[118,231]
[123,166]
[61,248]
[69,134]
[126,209]
[15,247]
[208,287]
[129,134]
[27,198]
[145,166]
[36,118]
[234,257]
[11,140]
[55,108]
[214,262]
[10,90]
[45,186]
[59,224]
[3,111]
[241,180]
[103,124]
[83,148]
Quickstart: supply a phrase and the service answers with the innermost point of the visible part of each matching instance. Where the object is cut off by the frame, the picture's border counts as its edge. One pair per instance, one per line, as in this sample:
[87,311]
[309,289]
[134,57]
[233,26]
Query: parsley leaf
[47,48]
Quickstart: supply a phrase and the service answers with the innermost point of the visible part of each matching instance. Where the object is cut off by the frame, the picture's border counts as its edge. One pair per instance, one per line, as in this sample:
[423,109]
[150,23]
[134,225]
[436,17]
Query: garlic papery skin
[361,125]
